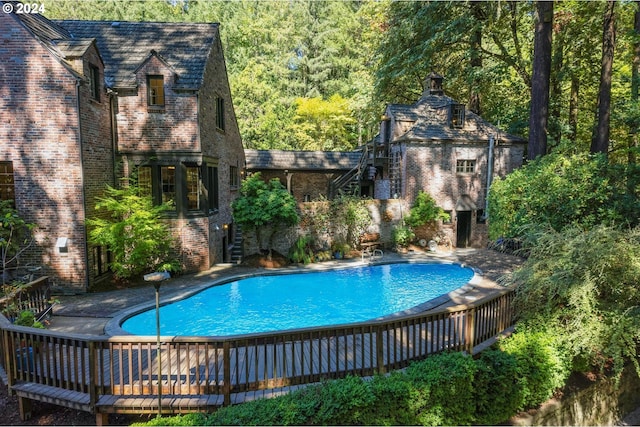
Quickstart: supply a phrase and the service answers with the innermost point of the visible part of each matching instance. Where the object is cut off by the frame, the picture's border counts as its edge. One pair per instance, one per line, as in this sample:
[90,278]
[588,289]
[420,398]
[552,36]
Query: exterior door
[463,231]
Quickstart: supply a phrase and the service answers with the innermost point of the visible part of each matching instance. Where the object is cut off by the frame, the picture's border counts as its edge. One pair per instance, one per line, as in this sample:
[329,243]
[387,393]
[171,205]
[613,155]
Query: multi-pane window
[168,184]
[94,81]
[234,177]
[220,113]
[465,166]
[188,188]
[145,181]
[457,115]
[7,191]
[101,260]
[193,188]
[155,91]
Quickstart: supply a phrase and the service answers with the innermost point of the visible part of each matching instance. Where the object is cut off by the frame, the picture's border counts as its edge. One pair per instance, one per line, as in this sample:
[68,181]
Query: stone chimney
[433,85]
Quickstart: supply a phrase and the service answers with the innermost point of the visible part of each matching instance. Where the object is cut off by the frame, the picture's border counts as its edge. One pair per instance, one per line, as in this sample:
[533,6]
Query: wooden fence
[104,375]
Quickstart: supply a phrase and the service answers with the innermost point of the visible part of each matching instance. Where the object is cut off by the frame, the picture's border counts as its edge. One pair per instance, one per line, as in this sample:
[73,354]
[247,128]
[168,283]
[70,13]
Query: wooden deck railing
[104,374]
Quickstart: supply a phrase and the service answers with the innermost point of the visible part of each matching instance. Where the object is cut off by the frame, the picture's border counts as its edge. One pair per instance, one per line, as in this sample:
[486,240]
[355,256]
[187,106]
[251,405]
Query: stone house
[84,103]
[438,146]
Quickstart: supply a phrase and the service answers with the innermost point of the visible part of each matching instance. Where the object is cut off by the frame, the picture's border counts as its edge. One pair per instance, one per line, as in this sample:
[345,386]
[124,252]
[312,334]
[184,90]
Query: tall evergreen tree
[539,114]
[600,140]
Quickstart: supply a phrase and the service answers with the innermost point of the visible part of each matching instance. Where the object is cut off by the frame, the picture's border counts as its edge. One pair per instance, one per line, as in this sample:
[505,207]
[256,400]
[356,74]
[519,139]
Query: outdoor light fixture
[157,279]
[62,245]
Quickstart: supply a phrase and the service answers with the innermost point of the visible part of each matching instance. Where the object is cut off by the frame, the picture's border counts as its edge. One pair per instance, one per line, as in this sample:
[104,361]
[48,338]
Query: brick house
[438,146]
[84,103]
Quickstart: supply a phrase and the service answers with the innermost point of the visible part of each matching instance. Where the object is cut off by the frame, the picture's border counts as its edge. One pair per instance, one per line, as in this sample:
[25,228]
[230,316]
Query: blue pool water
[289,301]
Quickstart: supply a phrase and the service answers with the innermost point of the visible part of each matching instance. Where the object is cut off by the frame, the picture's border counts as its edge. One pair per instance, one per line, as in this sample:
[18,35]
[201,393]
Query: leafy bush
[27,318]
[559,190]
[403,235]
[583,285]
[498,392]
[351,217]
[444,389]
[302,250]
[15,237]
[263,205]
[541,368]
[425,210]
[133,232]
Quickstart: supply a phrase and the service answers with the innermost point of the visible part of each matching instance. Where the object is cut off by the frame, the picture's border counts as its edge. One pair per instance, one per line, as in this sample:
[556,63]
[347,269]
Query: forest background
[316,75]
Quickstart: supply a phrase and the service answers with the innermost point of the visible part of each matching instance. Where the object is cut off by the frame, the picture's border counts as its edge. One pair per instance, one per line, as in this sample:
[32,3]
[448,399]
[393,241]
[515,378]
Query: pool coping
[113,327]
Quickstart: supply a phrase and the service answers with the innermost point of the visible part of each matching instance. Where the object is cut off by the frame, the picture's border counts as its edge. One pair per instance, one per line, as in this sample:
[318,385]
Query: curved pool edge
[113,327]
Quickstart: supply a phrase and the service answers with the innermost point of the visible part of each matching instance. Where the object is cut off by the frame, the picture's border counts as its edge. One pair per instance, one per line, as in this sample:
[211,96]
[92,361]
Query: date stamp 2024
[23,8]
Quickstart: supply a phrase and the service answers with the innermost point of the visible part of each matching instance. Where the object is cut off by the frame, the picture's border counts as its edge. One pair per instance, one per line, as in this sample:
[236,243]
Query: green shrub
[542,367]
[27,318]
[133,231]
[442,389]
[403,235]
[583,286]
[392,396]
[560,190]
[195,419]
[425,210]
[302,250]
[498,393]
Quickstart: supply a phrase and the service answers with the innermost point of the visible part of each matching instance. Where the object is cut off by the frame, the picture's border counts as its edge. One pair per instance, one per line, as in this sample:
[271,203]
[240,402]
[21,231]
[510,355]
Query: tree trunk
[600,140]
[557,64]
[539,114]
[573,107]
[476,56]
[635,85]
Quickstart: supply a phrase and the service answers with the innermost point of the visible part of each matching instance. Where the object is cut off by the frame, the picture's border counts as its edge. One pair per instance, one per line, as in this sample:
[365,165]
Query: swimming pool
[291,301]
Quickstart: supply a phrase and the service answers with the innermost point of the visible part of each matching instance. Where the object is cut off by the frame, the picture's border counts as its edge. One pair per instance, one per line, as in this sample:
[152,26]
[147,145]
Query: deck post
[24,407]
[93,369]
[470,330]
[380,351]
[226,372]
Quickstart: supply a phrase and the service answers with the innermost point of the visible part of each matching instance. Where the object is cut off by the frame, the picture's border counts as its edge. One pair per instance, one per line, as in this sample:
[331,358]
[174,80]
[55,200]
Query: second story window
[465,166]
[457,116]
[212,188]
[220,113]
[155,91]
[7,191]
[94,77]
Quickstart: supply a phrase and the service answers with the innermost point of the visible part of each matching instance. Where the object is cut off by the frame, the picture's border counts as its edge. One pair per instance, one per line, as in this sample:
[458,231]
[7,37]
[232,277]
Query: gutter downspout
[489,175]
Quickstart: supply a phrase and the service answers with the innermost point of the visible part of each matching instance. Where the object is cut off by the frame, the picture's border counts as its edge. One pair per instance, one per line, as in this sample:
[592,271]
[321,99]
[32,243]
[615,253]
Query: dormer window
[457,116]
[155,91]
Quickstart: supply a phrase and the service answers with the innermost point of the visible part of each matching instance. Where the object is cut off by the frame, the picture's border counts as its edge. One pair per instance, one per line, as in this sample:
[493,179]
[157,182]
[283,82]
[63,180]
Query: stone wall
[599,403]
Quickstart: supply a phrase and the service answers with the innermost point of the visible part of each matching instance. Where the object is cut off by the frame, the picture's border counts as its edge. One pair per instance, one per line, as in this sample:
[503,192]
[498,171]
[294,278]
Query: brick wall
[39,134]
[145,129]
[222,146]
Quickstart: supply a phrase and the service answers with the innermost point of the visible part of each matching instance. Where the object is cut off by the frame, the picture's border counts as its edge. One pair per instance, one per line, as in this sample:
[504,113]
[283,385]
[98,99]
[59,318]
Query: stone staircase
[237,251]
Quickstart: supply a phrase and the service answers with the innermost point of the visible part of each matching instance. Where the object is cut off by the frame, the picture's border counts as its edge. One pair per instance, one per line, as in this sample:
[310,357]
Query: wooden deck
[127,374]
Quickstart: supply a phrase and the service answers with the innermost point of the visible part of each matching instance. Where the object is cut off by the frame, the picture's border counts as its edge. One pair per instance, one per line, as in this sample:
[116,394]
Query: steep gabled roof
[53,37]
[429,118]
[301,160]
[125,46]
